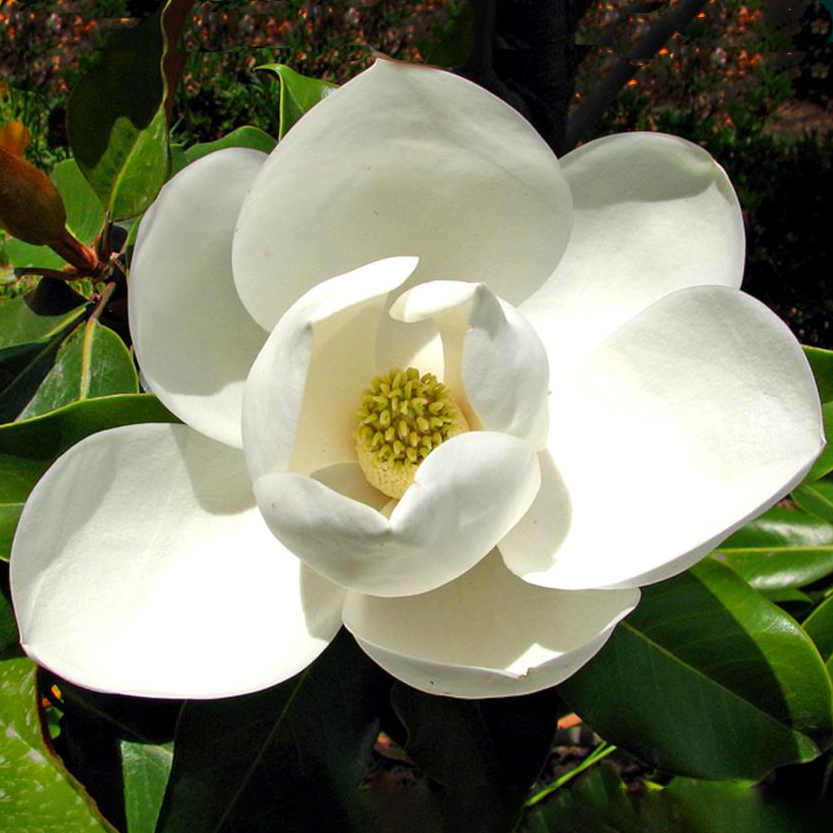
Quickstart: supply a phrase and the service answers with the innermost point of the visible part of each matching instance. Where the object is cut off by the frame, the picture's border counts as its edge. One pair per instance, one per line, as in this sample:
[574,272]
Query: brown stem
[103,299]
[604,93]
[82,257]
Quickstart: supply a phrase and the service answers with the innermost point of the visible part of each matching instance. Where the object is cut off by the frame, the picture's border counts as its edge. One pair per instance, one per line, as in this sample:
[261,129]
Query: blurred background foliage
[749,80]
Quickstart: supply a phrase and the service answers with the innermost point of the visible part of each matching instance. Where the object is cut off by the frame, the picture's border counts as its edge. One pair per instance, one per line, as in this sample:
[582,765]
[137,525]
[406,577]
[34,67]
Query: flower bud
[31,208]
[15,137]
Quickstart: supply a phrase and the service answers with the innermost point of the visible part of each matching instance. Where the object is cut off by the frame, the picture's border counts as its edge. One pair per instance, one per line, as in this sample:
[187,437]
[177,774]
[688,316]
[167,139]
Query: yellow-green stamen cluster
[403,417]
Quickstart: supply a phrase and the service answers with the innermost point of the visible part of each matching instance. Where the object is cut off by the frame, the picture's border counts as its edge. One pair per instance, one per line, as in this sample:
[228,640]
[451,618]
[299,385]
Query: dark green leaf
[299,94]
[116,121]
[821,362]
[22,371]
[28,447]
[244,137]
[145,770]
[8,627]
[707,678]
[92,362]
[599,803]
[780,549]
[294,753]
[35,791]
[454,43]
[483,755]
[21,327]
[85,218]
[17,477]
[819,627]
[816,497]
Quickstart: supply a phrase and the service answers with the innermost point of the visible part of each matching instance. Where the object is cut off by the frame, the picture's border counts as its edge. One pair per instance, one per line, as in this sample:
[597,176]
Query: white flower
[630,407]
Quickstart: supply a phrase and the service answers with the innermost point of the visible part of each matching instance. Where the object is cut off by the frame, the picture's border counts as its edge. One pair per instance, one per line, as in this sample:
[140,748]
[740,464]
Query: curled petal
[692,418]
[487,634]
[403,160]
[652,214]
[467,494]
[155,574]
[194,340]
[301,397]
[492,354]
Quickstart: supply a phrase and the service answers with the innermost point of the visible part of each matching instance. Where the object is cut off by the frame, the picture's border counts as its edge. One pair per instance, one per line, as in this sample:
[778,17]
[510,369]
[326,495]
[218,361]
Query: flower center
[403,417]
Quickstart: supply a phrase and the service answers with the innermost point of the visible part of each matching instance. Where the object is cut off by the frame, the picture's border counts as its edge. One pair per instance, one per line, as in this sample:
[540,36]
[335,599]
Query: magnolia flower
[436,385]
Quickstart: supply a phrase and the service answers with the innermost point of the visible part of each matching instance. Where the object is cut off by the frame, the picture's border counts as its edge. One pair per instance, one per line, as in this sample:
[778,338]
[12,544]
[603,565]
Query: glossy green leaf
[20,326]
[17,477]
[28,447]
[92,362]
[821,361]
[116,120]
[707,678]
[482,755]
[22,371]
[599,802]
[780,549]
[299,94]
[244,137]
[85,218]
[819,627]
[816,497]
[145,771]
[293,753]
[36,793]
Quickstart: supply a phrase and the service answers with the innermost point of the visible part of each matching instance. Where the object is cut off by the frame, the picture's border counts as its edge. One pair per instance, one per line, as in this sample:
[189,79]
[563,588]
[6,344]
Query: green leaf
[36,793]
[483,755]
[8,627]
[20,326]
[819,627]
[145,770]
[454,43]
[116,120]
[17,478]
[92,362]
[29,344]
[816,497]
[783,548]
[821,362]
[85,218]
[293,753]
[707,678]
[299,94]
[244,137]
[599,802]
[28,447]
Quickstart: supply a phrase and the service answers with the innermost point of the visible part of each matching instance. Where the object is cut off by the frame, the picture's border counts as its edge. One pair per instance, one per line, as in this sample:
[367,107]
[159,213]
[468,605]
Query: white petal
[487,634]
[194,340]
[653,214]
[305,387]
[142,566]
[492,355]
[691,419]
[403,160]
[466,495]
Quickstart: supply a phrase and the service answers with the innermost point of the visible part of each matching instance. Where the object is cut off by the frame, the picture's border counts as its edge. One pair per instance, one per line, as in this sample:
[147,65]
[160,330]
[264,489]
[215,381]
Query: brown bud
[31,208]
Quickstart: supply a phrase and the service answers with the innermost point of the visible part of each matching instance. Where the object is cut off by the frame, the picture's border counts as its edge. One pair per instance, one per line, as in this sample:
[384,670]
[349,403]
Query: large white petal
[467,494]
[305,387]
[403,160]
[194,340]
[652,214]
[142,566]
[492,355]
[691,419]
[487,634]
